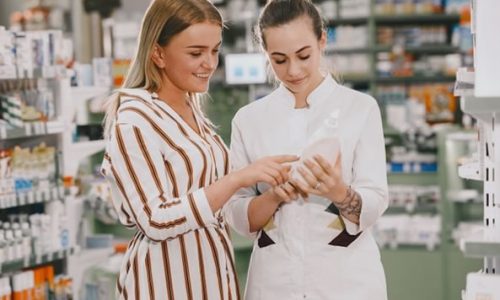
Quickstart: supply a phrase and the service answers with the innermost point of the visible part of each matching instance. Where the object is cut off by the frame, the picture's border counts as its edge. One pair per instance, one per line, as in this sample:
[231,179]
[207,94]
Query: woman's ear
[322,41]
[158,57]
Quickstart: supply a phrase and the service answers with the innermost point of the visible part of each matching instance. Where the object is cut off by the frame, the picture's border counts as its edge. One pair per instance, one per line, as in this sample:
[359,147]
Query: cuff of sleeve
[369,210]
[352,228]
[239,217]
[200,209]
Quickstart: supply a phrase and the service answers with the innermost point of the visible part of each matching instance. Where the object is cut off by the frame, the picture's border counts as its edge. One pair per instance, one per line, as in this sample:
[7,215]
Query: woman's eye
[304,57]
[195,54]
[279,62]
[216,50]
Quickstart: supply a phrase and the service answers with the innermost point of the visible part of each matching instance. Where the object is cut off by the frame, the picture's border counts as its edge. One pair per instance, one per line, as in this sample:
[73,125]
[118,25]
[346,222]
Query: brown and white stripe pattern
[158,168]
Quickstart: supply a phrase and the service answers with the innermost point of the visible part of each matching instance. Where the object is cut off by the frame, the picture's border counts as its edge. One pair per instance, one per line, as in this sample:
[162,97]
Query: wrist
[233,181]
[340,194]
[275,198]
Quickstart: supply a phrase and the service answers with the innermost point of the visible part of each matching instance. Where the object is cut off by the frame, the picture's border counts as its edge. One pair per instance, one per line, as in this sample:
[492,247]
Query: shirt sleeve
[236,209]
[370,173]
[136,168]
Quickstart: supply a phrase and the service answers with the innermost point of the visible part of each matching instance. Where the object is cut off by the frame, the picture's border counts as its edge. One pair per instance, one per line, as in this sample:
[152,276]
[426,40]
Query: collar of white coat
[324,89]
[140,93]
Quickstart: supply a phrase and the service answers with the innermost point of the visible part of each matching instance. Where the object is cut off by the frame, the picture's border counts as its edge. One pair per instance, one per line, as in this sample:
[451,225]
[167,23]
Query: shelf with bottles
[395,231]
[426,18]
[414,79]
[32,197]
[43,282]
[422,49]
[27,240]
[36,260]
[31,129]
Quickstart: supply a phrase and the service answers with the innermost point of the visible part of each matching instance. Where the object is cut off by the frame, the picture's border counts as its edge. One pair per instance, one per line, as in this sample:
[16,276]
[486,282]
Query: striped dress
[158,166]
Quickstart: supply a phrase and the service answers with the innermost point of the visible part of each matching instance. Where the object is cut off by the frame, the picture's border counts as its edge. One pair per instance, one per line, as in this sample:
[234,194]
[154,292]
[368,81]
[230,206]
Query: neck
[301,98]
[174,97]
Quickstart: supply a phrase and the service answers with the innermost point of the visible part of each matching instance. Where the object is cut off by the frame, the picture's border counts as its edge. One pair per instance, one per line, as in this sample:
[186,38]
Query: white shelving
[80,151]
[32,129]
[485,107]
[479,247]
[79,263]
[80,97]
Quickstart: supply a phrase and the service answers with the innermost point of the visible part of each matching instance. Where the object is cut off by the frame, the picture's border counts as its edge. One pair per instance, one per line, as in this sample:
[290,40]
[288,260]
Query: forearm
[219,192]
[261,209]
[350,206]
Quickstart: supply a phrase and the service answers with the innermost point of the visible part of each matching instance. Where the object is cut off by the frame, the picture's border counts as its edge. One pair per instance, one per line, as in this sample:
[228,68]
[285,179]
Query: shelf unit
[69,102]
[482,102]
[36,260]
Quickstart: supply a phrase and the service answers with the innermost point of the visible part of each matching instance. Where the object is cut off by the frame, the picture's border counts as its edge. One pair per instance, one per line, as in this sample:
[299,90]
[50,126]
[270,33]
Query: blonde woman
[168,169]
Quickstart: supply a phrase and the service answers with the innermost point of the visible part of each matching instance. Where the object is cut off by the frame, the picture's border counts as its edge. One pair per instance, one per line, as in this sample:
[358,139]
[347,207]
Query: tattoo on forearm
[351,205]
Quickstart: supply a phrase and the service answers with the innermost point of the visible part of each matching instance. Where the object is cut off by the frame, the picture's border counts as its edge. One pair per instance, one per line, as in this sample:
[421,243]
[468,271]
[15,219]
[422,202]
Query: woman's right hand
[273,170]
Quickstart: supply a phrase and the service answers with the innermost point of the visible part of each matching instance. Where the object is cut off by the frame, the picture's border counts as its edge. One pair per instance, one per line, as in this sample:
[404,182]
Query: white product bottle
[324,141]
[25,228]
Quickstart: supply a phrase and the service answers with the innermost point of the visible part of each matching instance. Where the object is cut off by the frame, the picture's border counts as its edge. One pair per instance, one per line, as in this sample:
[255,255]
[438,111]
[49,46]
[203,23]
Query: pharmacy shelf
[414,79]
[32,129]
[35,260]
[80,97]
[356,79]
[79,151]
[348,21]
[412,178]
[35,197]
[480,108]
[431,208]
[424,49]
[332,50]
[417,19]
[82,261]
[480,247]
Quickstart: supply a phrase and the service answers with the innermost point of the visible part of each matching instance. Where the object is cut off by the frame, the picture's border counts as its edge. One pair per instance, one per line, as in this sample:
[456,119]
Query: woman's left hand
[323,179]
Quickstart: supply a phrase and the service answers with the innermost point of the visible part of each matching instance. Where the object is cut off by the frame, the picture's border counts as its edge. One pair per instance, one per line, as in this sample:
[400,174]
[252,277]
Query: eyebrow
[300,50]
[202,46]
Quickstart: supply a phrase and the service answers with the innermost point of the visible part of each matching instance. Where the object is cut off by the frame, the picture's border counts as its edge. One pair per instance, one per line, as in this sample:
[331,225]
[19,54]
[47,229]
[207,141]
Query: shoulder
[357,97]
[135,106]
[256,108]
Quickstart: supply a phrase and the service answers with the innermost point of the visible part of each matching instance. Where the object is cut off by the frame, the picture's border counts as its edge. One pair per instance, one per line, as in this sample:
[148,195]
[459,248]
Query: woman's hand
[323,179]
[273,170]
[286,192]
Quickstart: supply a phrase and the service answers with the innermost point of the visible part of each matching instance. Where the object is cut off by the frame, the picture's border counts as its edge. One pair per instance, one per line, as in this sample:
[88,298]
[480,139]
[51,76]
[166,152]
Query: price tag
[38,259]
[60,254]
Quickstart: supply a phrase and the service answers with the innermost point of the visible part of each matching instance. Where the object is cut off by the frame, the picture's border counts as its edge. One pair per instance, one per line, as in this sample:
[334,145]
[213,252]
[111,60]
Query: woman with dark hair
[168,170]
[312,234]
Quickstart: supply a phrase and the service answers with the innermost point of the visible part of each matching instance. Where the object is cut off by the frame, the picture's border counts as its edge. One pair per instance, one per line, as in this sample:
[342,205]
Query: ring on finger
[317,185]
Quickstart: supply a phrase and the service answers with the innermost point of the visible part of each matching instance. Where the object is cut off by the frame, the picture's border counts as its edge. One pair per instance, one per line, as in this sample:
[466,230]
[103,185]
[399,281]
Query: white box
[487,54]
[483,287]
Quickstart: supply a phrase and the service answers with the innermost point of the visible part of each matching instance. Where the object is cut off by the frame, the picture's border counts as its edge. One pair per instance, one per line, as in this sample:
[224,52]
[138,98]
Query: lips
[202,76]
[297,81]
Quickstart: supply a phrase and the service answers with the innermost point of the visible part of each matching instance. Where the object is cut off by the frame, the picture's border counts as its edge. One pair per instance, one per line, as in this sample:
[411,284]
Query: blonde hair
[161,22]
